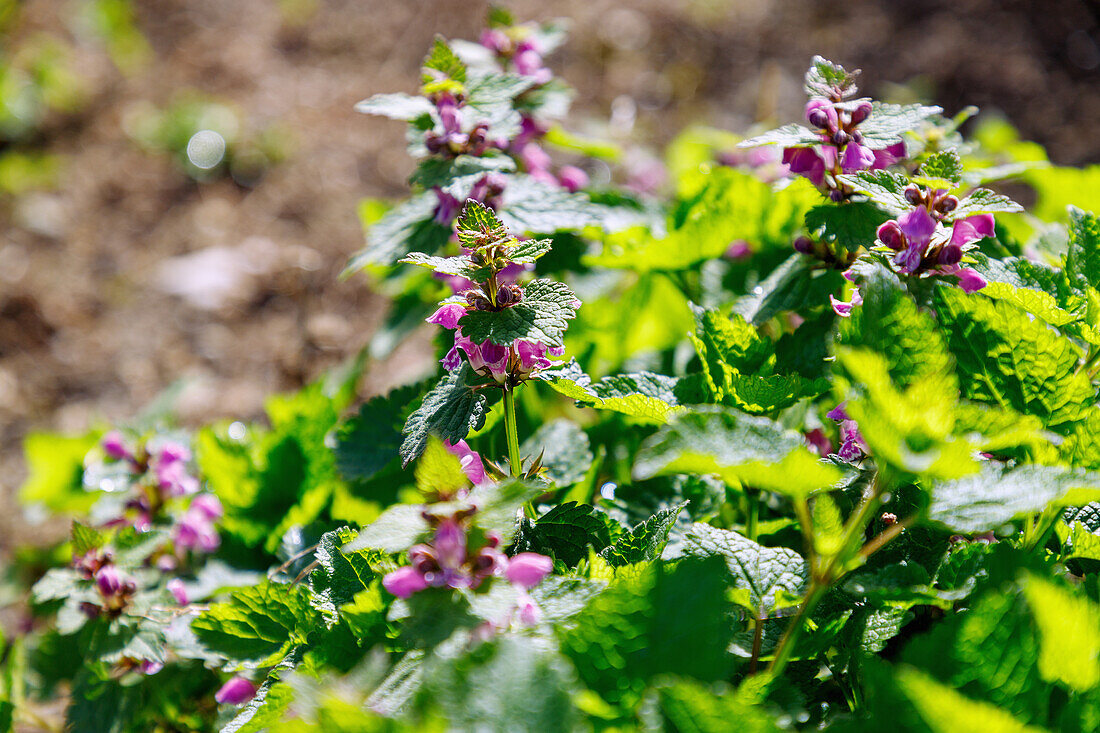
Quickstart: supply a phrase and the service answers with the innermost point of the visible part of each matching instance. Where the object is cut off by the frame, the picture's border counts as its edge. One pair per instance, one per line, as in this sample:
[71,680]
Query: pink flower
[969,280]
[917,227]
[207,505]
[857,158]
[472,465]
[403,582]
[529,611]
[448,315]
[449,544]
[114,445]
[738,250]
[109,581]
[822,114]
[236,691]
[572,178]
[843,309]
[175,587]
[196,531]
[888,156]
[527,569]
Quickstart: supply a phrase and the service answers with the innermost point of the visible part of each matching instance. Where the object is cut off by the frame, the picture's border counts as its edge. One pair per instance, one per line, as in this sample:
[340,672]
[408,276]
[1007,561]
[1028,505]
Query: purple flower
[843,309]
[536,162]
[173,452]
[527,569]
[917,227]
[449,117]
[236,691]
[971,229]
[485,357]
[175,587]
[207,505]
[170,467]
[403,582]
[114,445]
[809,162]
[150,667]
[449,544]
[821,114]
[472,465]
[888,156]
[495,40]
[852,446]
[529,611]
[447,208]
[448,315]
[857,158]
[738,250]
[572,178]
[969,280]
[109,581]
[196,531]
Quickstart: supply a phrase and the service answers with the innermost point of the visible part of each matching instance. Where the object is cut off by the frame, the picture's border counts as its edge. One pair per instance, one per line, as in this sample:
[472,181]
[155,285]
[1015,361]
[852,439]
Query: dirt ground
[99,306]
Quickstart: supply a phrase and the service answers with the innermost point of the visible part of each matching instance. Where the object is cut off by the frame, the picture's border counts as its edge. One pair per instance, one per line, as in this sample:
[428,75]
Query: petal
[857,158]
[448,315]
[838,413]
[236,691]
[888,156]
[403,582]
[969,280]
[841,308]
[528,569]
[917,226]
[971,229]
[472,465]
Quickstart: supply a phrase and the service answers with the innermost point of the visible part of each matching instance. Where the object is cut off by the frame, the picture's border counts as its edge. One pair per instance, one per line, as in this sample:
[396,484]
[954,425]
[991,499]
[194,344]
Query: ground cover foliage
[809,443]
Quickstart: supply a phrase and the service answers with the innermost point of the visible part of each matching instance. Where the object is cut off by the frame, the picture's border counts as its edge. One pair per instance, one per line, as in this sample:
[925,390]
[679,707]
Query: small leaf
[542,315]
[85,538]
[646,395]
[851,225]
[438,471]
[449,411]
[477,225]
[984,201]
[826,79]
[885,188]
[944,165]
[565,532]
[645,541]
[396,106]
[443,60]
[789,136]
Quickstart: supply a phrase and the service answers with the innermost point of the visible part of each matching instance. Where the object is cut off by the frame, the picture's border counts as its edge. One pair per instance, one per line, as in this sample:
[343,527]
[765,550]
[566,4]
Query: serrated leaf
[789,136]
[888,122]
[438,471]
[826,79]
[794,285]
[542,315]
[565,450]
[730,340]
[443,60]
[1069,634]
[645,541]
[987,500]
[85,538]
[945,165]
[258,625]
[267,706]
[528,250]
[1083,258]
[396,529]
[339,575]
[457,175]
[565,532]
[1007,358]
[762,571]
[696,708]
[646,395]
[478,225]
[754,451]
[851,225]
[369,441]
[396,106]
[533,206]
[885,188]
[984,201]
[408,226]
[449,411]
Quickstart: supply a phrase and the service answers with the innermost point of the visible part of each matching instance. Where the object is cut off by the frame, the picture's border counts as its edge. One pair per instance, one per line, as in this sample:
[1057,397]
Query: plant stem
[757,642]
[511,429]
[752,497]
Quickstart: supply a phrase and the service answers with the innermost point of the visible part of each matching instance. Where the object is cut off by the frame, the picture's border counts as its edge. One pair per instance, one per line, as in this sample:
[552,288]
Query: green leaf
[565,450]
[534,206]
[888,122]
[1069,634]
[885,188]
[339,575]
[890,324]
[369,441]
[457,176]
[1009,359]
[645,541]
[443,60]
[55,470]
[789,136]
[85,538]
[646,395]
[528,250]
[1083,258]
[762,571]
[258,625]
[438,471]
[793,286]
[449,411]
[477,225]
[396,529]
[408,226]
[565,532]
[542,315]
[851,225]
[511,683]
[271,701]
[461,266]
[988,499]
[826,79]
[984,201]
[944,710]
[730,340]
[696,708]
[944,165]
[753,451]
[665,620]
[396,106]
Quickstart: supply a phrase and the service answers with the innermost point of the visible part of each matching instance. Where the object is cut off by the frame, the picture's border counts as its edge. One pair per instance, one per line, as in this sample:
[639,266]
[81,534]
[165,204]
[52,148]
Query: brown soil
[88,333]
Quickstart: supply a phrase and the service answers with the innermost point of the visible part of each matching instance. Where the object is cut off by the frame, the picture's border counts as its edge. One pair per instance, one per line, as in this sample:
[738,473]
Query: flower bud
[889,518]
[821,114]
[857,137]
[114,445]
[528,569]
[836,196]
[236,691]
[951,254]
[841,138]
[804,245]
[891,235]
[947,204]
[914,196]
[861,112]
[109,581]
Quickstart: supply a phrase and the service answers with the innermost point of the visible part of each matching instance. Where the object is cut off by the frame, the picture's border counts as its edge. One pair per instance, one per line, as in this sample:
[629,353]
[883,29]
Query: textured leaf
[396,106]
[565,532]
[533,206]
[478,225]
[449,411]
[885,188]
[443,60]
[944,165]
[1009,359]
[408,226]
[826,79]
[987,500]
[439,471]
[696,708]
[367,442]
[458,175]
[944,710]
[258,625]
[565,450]
[645,541]
[644,395]
[984,201]
[888,121]
[396,529]
[763,571]
[794,285]
[267,706]
[542,315]
[789,136]
[1083,258]
[339,576]
[754,451]
[85,538]
[462,265]
[852,225]
[1069,634]
[730,340]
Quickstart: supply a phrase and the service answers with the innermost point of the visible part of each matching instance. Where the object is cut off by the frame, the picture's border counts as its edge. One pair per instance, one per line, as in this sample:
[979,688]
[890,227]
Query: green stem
[511,429]
[753,520]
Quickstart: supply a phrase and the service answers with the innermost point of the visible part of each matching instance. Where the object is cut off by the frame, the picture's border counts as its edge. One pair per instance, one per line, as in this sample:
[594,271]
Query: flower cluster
[841,150]
[926,244]
[852,446]
[114,586]
[459,556]
[515,362]
[158,474]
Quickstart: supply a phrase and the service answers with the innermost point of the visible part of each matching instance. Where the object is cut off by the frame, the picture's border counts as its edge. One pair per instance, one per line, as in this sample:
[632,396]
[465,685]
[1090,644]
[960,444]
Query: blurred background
[135,254]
